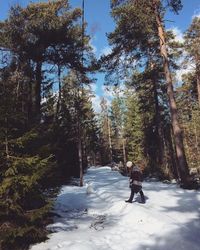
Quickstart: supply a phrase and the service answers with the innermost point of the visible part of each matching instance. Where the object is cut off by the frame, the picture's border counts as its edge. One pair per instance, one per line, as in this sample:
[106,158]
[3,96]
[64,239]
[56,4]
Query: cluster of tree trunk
[47,114]
[48,129]
[140,53]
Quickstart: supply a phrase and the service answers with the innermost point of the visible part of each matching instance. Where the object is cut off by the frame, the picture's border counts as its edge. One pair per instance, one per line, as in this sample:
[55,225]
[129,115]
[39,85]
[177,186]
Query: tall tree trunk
[198,81]
[80,135]
[93,158]
[198,89]
[124,154]
[37,91]
[29,103]
[196,134]
[84,149]
[6,139]
[182,163]
[124,150]
[159,135]
[59,92]
[170,145]
[79,138]
[110,140]
[80,156]
[80,146]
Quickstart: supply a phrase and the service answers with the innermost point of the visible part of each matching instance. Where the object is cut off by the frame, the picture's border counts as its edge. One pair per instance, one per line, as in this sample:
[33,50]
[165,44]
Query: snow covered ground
[97,218]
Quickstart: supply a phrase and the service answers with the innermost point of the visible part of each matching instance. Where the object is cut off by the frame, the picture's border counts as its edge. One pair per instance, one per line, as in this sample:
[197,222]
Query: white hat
[129,164]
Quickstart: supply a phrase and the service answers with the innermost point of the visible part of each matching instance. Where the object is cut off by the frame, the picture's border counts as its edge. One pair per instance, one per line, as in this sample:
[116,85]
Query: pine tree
[192,38]
[133,127]
[139,32]
[106,150]
[40,42]
[67,125]
[178,139]
[23,205]
[44,33]
[117,111]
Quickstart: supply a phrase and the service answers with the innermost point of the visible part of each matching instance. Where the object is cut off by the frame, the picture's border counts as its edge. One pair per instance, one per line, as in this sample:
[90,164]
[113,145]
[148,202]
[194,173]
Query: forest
[49,131]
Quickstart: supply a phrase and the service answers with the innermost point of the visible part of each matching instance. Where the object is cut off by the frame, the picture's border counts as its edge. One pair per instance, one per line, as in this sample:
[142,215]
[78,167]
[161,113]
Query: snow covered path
[101,220]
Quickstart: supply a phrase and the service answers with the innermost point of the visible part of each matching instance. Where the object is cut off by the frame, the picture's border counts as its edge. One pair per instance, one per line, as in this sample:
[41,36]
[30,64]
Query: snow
[95,216]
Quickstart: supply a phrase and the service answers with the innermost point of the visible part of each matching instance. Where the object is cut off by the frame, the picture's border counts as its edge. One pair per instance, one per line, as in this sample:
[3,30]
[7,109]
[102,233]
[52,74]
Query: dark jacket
[136,179]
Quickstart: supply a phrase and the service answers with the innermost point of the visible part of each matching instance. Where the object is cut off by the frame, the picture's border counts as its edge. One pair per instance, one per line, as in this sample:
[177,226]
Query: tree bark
[158,134]
[178,138]
[6,139]
[198,89]
[37,91]
[29,103]
[198,82]
[80,156]
[80,136]
[124,150]
[109,139]
[59,92]
[172,152]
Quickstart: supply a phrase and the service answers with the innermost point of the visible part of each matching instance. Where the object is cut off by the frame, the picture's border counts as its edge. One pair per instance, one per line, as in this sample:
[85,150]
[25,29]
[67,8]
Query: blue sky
[97,15]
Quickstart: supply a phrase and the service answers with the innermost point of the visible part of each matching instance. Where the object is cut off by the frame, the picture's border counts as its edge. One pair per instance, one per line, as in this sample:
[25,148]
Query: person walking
[135,182]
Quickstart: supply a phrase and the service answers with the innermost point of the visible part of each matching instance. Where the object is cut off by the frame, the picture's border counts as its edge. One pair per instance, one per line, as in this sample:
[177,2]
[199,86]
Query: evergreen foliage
[49,131]
[192,38]
[136,56]
[134,127]
[106,153]
[40,45]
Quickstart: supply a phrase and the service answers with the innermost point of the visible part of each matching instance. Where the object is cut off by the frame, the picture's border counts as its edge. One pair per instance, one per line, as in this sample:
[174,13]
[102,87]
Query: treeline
[47,124]
[155,119]
[48,129]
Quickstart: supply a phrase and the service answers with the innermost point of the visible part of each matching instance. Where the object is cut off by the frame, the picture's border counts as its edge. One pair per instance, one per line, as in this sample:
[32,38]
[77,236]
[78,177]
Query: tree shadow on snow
[184,238]
[76,209]
[187,235]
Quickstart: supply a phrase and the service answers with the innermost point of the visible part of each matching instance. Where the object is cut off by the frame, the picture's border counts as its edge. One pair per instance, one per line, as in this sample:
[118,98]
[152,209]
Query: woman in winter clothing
[135,182]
